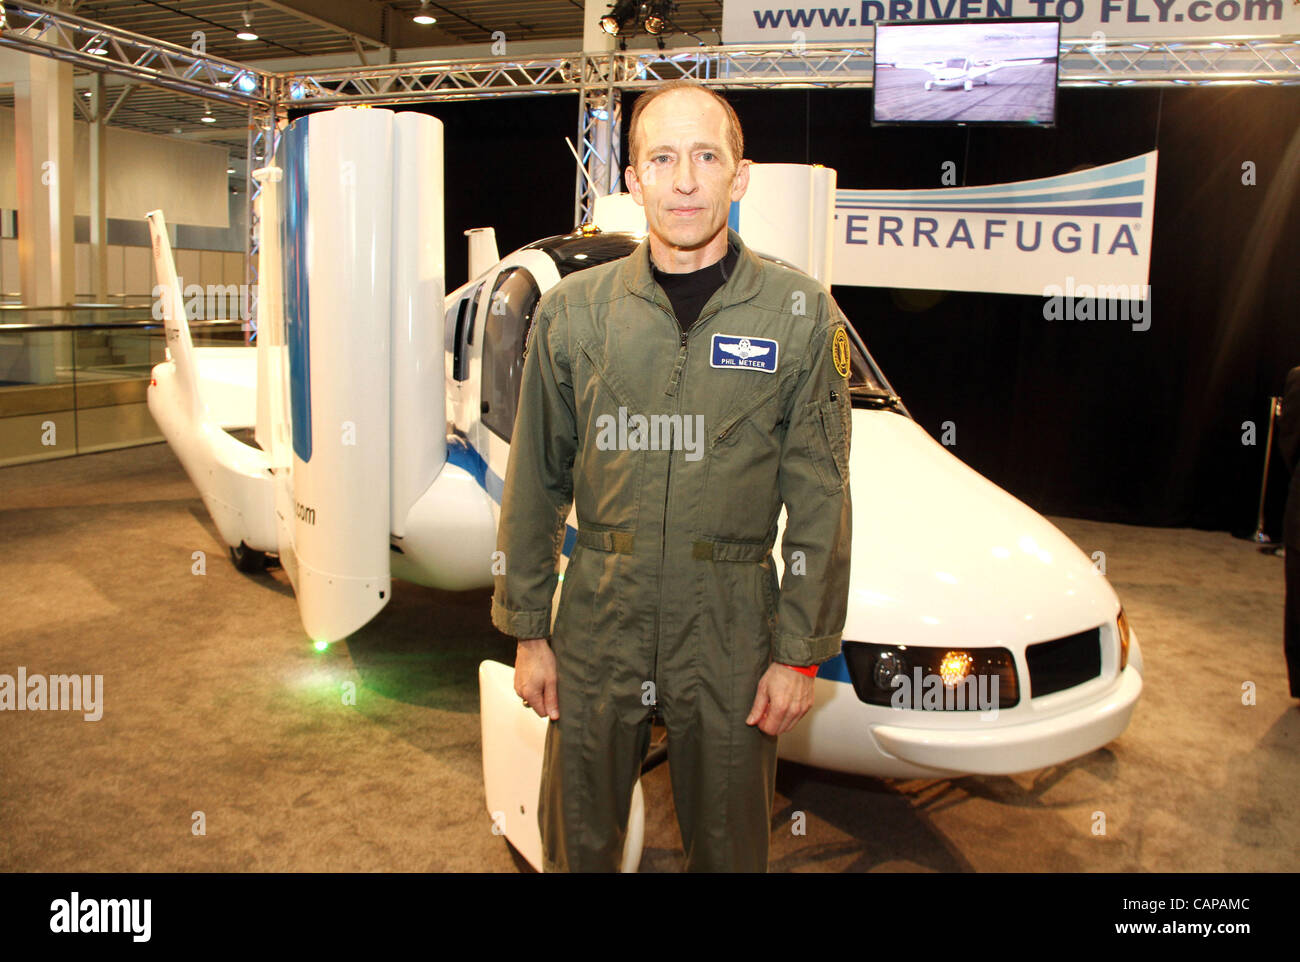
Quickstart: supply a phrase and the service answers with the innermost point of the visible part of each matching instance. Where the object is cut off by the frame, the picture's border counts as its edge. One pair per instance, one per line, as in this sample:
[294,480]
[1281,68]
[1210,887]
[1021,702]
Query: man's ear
[633,185]
[740,183]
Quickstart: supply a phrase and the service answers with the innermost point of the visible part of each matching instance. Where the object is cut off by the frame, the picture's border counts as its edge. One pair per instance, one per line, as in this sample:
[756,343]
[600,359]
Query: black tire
[248,560]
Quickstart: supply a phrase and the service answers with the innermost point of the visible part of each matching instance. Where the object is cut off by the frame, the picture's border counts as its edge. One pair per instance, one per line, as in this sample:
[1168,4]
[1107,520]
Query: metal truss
[51,32]
[1088,63]
[1082,63]
[436,80]
[600,125]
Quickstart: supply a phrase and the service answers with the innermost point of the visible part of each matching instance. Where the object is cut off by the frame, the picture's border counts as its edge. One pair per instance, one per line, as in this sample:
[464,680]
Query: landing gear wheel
[929,84]
[248,560]
[967,85]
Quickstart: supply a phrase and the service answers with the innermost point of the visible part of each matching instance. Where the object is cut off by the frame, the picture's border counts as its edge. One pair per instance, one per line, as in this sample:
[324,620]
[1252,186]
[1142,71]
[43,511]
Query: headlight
[954,668]
[1125,636]
[937,679]
[888,664]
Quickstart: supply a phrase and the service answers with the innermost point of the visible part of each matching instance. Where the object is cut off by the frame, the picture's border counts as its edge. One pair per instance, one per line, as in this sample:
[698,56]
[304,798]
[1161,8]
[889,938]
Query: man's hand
[536,681]
[784,696]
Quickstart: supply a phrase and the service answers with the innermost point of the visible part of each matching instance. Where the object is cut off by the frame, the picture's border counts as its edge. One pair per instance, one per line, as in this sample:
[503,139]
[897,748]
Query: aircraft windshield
[867,384]
[957,62]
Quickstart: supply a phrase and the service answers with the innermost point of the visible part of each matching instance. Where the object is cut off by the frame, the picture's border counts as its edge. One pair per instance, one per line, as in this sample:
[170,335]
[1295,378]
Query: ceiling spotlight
[207,117]
[247,33]
[656,16]
[230,170]
[99,49]
[621,16]
[424,18]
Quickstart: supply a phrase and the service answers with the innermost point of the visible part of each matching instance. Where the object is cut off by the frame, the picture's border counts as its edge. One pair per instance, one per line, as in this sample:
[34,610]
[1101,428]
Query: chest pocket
[741,492]
[607,476]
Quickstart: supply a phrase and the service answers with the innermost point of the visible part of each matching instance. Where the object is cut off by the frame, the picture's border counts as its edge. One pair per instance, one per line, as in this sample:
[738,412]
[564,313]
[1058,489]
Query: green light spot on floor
[321,645]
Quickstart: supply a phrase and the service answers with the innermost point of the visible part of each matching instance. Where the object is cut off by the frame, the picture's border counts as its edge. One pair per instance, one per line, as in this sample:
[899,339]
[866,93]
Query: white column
[595,40]
[44,174]
[98,184]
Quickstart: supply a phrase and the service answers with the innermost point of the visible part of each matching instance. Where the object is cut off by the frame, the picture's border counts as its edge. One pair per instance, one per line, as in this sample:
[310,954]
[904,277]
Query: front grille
[1057,665]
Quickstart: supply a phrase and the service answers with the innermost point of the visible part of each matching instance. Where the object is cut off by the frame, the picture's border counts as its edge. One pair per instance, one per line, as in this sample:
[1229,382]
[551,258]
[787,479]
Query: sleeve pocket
[828,448]
[837,416]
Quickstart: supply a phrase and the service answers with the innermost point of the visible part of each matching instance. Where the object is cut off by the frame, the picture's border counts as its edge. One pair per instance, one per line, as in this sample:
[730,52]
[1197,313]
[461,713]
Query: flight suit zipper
[679,374]
[679,378]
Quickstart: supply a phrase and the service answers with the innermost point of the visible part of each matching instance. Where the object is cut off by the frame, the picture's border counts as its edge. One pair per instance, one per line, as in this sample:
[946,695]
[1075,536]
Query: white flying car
[979,638]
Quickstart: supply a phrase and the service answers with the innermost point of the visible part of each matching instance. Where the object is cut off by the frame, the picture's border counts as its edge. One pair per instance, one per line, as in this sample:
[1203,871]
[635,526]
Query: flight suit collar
[744,282]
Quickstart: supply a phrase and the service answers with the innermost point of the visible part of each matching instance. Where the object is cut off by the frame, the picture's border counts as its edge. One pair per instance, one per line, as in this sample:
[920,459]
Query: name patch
[742,351]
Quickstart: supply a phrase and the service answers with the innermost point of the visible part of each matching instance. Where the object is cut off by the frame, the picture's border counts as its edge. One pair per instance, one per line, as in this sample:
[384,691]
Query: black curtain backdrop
[1085,419]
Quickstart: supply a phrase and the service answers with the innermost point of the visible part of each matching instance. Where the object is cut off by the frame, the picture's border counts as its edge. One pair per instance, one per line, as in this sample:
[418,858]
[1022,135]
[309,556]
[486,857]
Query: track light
[622,15]
[656,16]
[207,117]
[247,33]
[424,18]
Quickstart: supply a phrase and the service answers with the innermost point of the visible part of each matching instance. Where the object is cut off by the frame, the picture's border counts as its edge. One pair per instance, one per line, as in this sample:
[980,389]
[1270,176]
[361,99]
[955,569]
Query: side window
[458,318]
[509,316]
[472,318]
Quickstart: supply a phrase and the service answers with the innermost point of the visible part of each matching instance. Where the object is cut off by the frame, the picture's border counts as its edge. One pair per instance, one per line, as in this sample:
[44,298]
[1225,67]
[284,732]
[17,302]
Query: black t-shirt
[689,292]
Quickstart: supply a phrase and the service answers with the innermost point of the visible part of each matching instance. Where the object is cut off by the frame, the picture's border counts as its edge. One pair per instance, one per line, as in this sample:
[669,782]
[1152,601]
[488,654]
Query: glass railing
[73,379]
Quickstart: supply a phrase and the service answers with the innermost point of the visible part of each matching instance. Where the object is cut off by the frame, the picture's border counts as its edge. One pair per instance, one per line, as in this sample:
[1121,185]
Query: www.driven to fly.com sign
[775,21]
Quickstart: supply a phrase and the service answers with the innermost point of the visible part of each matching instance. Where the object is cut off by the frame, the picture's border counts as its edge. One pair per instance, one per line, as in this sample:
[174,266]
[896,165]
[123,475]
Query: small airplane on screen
[964,72]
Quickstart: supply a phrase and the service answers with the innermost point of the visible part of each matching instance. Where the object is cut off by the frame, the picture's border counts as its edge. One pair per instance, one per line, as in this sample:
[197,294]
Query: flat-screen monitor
[997,71]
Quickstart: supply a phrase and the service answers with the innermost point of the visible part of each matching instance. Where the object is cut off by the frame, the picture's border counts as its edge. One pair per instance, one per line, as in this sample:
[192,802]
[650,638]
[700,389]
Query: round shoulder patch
[840,351]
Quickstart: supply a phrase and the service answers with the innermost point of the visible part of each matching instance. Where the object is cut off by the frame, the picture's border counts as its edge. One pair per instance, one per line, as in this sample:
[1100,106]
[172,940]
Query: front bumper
[1023,747]
[832,735]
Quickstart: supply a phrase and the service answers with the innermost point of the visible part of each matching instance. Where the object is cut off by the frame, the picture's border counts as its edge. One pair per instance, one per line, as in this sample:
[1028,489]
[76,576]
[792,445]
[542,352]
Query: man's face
[686,177]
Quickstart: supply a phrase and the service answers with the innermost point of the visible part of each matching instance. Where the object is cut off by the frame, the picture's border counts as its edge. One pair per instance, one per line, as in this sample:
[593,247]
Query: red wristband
[809,670]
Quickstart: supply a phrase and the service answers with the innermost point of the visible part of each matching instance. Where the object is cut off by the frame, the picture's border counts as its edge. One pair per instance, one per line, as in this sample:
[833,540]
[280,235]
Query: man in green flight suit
[677,397]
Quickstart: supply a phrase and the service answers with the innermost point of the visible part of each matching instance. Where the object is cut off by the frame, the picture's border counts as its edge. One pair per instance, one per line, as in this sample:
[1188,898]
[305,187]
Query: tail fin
[179,347]
[482,249]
